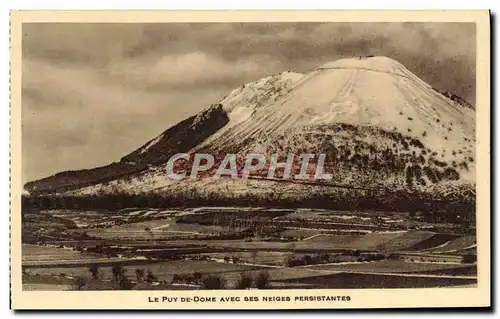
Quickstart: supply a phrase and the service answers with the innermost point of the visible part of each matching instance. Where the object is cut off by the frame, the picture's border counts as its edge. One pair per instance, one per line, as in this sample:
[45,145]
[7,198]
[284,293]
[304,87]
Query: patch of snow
[346,217]
[459,249]
[160,227]
[437,247]
[392,232]
[134,213]
[150,212]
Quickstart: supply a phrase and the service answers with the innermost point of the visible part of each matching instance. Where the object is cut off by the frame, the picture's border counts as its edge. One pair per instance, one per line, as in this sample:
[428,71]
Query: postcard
[250,159]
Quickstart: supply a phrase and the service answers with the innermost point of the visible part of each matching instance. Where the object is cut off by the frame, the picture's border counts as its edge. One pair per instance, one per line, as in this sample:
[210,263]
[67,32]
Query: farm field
[359,281]
[162,269]
[436,240]
[335,240]
[234,244]
[373,240]
[329,215]
[390,266]
[467,251]
[45,282]
[456,244]
[269,258]
[46,256]
[155,229]
[33,254]
[405,240]
[256,244]
[45,287]
[457,271]
[305,277]
[300,233]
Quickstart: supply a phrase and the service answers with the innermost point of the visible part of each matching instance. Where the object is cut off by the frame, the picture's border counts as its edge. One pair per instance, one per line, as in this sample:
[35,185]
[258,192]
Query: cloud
[78,117]
[443,54]
[94,92]
[188,71]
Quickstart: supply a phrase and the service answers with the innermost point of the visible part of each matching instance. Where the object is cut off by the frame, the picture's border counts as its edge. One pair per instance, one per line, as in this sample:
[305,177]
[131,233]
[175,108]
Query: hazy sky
[94,92]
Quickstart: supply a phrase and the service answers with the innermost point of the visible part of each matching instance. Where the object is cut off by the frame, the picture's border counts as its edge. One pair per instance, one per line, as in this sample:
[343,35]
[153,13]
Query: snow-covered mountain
[379,124]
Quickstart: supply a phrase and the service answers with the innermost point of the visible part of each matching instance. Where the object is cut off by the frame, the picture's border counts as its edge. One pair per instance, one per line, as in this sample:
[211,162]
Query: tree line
[121,280]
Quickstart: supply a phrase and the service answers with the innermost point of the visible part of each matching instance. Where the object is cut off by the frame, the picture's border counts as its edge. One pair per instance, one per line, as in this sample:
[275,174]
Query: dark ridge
[69,180]
[198,128]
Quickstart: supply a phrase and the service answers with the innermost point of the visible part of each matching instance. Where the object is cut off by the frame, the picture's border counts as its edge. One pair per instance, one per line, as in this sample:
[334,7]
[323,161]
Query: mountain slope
[379,124]
[376,92]
[174,140]
[177,139]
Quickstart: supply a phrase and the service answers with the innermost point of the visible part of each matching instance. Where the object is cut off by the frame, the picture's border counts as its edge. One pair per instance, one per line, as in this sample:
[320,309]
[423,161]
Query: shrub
[262,280]
[176,279]
[325,257]
[214,282]
[469,259]
[393,257]
[197,277]
[375,257]
[451,173]
[292,262]
[245,282]
[187,278]
[79,283]
[125,284]
[118,272]
[355,253]
[150,277]
[139,274]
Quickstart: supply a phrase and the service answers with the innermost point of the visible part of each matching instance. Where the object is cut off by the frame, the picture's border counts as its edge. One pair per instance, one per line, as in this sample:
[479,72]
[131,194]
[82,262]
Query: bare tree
[118,272]
[150,277]
[197,277]
[139,274]
[214,282]
[245,282]
[262,280]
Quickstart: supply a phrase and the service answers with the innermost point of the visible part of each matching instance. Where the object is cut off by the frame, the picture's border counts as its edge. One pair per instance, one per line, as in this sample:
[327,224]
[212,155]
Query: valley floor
[242,248]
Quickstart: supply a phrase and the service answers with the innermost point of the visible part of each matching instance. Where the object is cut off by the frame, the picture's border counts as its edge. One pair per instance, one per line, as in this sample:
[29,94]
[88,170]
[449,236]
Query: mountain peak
[369,63]
[371,115]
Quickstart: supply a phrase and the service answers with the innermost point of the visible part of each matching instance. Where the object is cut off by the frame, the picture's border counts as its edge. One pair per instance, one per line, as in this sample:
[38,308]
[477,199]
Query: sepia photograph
[250,156]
